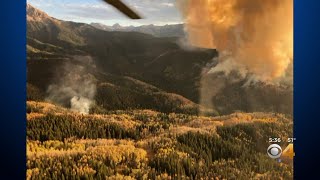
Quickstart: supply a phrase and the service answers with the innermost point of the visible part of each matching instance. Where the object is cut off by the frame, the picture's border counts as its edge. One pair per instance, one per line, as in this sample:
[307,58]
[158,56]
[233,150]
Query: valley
[129,104]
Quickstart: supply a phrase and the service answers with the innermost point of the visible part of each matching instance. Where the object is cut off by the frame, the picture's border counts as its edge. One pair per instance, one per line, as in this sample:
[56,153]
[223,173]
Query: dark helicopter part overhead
[123,8]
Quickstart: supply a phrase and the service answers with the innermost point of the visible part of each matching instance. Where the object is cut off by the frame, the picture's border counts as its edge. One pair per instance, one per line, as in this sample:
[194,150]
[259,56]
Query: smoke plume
[74,87]
[253,36]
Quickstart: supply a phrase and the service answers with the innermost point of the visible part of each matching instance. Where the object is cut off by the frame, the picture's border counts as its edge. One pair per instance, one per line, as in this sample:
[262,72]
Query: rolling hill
[144,144]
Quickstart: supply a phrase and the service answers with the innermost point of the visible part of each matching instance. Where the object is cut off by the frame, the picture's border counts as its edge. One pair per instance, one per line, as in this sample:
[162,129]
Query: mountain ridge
[158,61]
[168,30]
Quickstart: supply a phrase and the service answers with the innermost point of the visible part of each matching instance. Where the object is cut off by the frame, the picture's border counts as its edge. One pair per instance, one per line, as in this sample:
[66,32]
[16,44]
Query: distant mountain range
[172,30]
[143,91]
[136,70]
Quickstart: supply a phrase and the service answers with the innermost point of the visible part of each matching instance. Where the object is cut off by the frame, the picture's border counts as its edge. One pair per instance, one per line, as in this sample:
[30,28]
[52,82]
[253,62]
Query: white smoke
[74,86]
[81,104]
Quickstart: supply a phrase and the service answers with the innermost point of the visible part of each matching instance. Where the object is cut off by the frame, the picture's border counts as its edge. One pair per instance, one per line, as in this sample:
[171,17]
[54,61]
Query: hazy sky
[157,12]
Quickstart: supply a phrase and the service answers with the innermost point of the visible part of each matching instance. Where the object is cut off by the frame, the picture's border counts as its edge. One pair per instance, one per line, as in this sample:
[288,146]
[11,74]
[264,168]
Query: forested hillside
[129,105]
[151,145]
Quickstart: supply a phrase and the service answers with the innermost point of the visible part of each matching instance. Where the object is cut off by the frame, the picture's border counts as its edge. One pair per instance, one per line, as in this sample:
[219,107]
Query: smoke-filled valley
[116,105]
[171,76]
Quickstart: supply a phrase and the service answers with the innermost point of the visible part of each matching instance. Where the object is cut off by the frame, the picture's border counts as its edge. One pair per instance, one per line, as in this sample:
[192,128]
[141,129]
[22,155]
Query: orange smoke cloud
[257,35]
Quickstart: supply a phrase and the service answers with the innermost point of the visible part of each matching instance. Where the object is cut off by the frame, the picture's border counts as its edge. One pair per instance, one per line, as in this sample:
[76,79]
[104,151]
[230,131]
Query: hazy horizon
[160,13]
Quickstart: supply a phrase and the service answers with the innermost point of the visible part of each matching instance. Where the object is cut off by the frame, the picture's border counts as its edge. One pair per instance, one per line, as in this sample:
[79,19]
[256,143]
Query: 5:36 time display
[274,140]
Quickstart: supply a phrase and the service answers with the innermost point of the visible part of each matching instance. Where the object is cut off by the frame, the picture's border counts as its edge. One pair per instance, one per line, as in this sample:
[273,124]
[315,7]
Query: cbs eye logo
[274,151]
